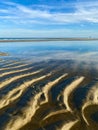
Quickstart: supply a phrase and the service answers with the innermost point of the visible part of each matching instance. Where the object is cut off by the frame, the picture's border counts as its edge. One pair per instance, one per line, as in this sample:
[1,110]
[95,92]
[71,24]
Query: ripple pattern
[47,96]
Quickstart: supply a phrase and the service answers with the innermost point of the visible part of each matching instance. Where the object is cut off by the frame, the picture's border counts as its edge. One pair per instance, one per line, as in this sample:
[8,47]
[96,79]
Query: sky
[48,18]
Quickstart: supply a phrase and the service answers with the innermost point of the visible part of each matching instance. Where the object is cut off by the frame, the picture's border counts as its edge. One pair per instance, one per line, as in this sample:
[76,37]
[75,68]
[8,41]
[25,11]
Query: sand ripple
[26,98]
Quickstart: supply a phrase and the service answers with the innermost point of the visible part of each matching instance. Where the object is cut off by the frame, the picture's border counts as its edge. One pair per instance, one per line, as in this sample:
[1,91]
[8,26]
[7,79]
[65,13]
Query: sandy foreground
[27,99]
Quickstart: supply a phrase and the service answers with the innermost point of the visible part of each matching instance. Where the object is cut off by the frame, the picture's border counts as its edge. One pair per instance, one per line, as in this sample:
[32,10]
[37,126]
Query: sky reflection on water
[77,50]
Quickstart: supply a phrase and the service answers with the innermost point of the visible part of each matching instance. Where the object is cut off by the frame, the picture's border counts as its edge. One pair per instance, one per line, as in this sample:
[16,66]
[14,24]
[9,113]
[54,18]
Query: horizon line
[30,39]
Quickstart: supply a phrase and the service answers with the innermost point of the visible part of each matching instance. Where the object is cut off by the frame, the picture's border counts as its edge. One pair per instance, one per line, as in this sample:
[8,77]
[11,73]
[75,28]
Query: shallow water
[51,49]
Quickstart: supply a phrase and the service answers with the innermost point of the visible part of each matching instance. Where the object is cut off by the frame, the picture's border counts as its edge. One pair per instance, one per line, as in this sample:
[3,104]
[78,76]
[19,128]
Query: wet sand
[3,54]
[26,97]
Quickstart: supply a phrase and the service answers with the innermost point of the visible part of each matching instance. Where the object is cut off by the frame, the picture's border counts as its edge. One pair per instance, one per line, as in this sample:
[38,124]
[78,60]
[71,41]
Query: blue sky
[48,18]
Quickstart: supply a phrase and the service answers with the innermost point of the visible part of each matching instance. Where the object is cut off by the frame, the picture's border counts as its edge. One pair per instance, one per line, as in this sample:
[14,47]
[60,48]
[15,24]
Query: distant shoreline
[45,39]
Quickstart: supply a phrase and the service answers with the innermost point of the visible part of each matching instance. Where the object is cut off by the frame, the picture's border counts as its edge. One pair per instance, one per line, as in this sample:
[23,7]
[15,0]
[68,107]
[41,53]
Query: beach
[49,89]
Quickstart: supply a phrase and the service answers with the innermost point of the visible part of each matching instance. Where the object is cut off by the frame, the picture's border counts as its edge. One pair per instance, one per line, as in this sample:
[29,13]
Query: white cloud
[83,12]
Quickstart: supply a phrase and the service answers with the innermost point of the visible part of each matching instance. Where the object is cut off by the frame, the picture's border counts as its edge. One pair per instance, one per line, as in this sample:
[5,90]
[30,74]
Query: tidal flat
[49,85]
